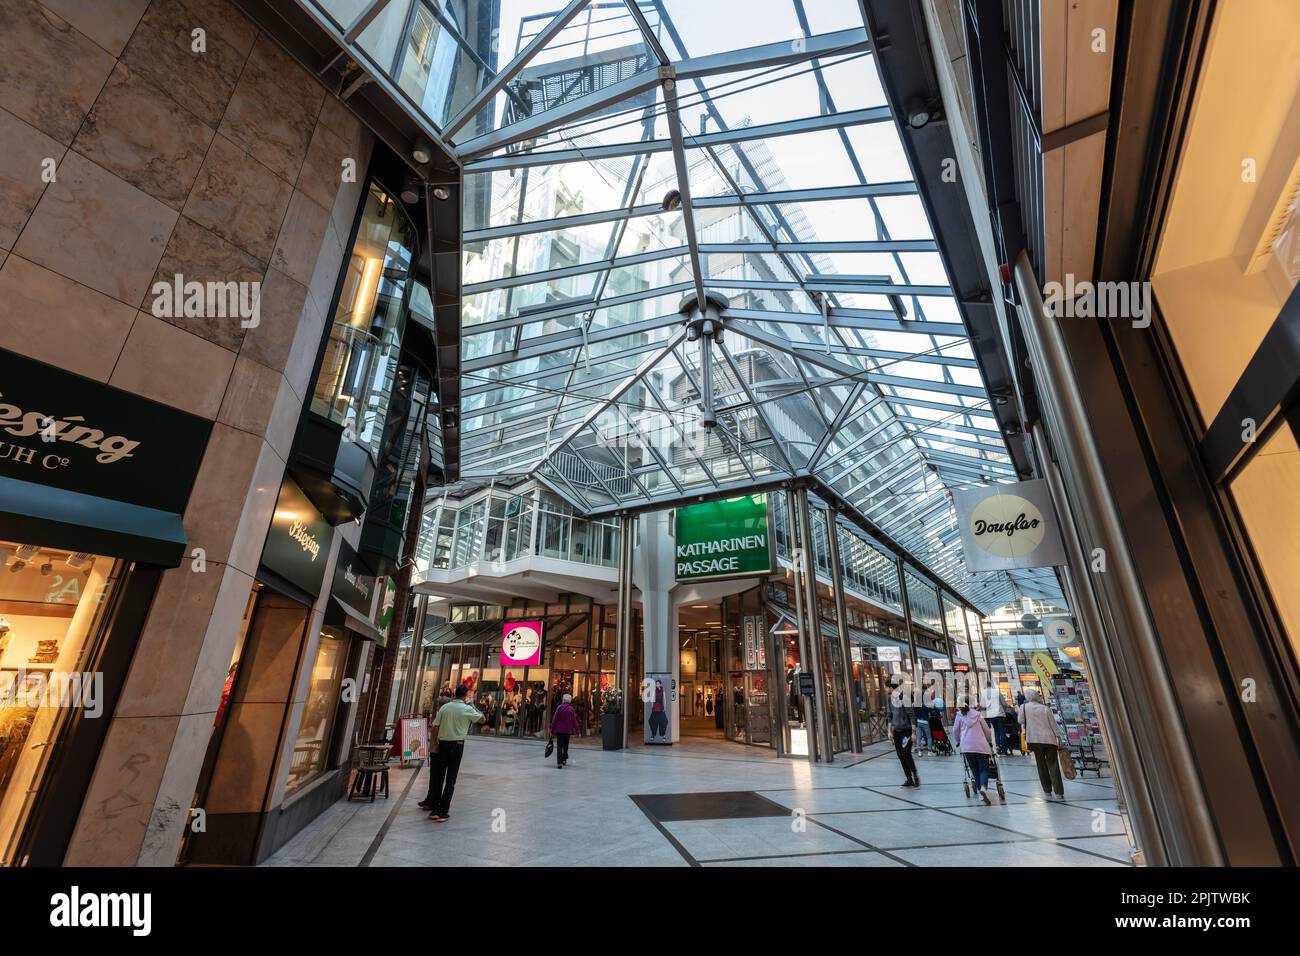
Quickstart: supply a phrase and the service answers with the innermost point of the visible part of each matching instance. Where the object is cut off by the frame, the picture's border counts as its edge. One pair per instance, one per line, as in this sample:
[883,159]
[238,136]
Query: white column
[655,576]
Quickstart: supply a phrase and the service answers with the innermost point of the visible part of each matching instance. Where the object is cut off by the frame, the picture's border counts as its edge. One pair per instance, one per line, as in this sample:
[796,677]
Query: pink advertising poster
[521,643]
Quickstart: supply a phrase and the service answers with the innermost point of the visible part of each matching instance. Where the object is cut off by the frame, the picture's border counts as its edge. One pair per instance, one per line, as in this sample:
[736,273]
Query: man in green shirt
[450,726]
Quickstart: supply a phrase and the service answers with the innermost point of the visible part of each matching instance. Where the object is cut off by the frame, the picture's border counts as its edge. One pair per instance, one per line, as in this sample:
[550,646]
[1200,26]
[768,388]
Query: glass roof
[844,356]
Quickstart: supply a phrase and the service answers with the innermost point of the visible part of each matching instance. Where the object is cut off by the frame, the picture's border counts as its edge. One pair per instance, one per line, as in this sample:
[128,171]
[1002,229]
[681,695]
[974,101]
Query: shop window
[315,731]
[52,610]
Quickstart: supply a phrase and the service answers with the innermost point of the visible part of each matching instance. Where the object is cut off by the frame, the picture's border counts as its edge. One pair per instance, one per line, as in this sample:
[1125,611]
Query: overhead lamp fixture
[918,113]
[672,201]
[410,189]
[423,150]
[441,193]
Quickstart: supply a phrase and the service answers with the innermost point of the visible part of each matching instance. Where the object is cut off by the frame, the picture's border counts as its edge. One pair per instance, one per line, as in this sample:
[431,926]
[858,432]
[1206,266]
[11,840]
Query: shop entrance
[702,684]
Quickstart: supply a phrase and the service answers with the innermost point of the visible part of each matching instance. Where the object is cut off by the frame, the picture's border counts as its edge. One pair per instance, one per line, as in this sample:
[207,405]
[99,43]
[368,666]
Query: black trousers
[442,775]
[561,749]
[905,752]
[1049,768]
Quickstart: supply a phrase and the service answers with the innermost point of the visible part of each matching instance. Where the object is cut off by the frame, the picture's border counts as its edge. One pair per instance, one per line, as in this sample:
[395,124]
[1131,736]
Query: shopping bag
[1067,762]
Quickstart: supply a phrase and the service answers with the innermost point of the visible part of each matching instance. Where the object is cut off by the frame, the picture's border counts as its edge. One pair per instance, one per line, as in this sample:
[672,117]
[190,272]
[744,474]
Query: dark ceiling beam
[907,73]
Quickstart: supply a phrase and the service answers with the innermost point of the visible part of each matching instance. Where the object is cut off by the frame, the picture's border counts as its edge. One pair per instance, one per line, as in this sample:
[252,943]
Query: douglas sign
[1008,526]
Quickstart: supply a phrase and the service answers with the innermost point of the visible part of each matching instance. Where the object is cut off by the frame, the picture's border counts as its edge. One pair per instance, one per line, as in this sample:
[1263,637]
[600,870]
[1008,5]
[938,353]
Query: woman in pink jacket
[563,723]
[974,740]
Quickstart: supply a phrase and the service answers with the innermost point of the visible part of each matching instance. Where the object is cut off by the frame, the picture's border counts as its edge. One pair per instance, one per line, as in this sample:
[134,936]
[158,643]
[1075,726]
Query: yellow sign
[1044,667]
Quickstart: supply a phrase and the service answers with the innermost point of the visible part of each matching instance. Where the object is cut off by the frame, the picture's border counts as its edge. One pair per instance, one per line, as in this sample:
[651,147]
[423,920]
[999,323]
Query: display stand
[1078,715]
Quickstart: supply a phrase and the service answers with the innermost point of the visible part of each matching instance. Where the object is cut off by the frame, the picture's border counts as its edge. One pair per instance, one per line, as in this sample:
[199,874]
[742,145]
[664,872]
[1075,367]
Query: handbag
[550,748]
[1066,761]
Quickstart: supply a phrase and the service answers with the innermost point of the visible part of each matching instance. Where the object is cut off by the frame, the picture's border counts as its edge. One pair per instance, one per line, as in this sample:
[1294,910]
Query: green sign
[723,539]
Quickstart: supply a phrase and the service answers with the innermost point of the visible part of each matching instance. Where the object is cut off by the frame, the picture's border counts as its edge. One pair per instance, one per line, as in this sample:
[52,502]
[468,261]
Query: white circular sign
[1007,526]
[1061,632]
[521,643]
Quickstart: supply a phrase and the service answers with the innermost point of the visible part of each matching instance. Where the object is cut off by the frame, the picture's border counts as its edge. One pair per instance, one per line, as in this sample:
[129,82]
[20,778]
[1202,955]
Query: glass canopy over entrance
[622,157]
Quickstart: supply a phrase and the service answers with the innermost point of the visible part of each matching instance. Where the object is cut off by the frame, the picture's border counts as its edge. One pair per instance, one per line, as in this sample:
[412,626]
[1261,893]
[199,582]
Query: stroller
[969,783]
[1015,739]
[940,744]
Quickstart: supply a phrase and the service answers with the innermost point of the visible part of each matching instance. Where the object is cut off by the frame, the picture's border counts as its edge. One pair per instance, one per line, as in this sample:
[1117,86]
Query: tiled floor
[711,803]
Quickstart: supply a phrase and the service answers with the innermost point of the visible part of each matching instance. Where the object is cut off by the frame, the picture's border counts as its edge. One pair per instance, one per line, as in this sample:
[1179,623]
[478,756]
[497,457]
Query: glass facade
[355,381]
[596,197]
[501,527]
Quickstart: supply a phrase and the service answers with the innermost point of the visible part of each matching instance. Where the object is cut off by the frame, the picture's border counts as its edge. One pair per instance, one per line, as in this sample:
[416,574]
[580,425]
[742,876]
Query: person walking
[923,741]
[995,712]
[974,740]
[564,722]
[902,721]
[450,726]
[1039,725]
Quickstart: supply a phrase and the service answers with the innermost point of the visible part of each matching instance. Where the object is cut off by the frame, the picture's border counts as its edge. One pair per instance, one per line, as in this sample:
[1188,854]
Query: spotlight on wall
[17,565]
[46,568]
[410,190]
[422,151]
[441,193]
[918,113]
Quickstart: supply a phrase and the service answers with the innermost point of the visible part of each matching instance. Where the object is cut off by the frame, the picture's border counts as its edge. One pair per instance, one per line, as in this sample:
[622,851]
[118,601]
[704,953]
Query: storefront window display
[311,748]
[52,611]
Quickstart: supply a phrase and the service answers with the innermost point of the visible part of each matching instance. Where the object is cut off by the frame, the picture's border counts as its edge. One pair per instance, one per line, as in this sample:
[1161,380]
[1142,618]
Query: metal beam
[774,197]
[485,95]
[616,394]
[748,58]
[588,154]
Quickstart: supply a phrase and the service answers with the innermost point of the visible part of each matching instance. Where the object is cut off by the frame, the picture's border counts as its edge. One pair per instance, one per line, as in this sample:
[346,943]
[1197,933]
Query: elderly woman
[564,722]
[1040,733]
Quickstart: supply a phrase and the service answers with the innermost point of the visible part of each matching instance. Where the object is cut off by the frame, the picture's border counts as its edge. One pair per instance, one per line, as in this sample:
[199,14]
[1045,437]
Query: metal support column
[842,624]
[410,693]
[821,704]
[799,560]
[907,619]
[952,654]
[626,550]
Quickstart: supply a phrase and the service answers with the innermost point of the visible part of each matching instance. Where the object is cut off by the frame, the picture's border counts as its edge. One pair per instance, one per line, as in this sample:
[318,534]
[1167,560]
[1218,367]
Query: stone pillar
[226,167]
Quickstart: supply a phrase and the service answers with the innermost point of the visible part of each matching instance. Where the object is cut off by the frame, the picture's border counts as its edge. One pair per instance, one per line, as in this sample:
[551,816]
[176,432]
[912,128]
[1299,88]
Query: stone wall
[182,141]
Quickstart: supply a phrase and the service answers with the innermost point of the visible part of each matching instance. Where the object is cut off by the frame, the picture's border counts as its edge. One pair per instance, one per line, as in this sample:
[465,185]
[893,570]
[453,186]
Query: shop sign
[68,432]
[659,696]
[855,653]
[1045,668]
[297,546]
[521,643]
[1007,526]
[889,654]
[961,667]
[941,664]
[723,539]
[1060,631]
[414,733]
[806,686]
[755,652]
[354,585]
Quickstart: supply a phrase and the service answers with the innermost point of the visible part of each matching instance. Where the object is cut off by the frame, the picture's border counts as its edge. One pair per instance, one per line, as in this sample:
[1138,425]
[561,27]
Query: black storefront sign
[86,465]
[297,546]
[354,584]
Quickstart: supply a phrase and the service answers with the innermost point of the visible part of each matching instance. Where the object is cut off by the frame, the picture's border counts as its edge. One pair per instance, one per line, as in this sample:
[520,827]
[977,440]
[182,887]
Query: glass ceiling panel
[844,355]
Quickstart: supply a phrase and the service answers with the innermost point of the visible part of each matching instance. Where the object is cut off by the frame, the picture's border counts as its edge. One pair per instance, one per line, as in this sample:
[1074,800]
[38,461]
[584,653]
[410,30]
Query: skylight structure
[625,160]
